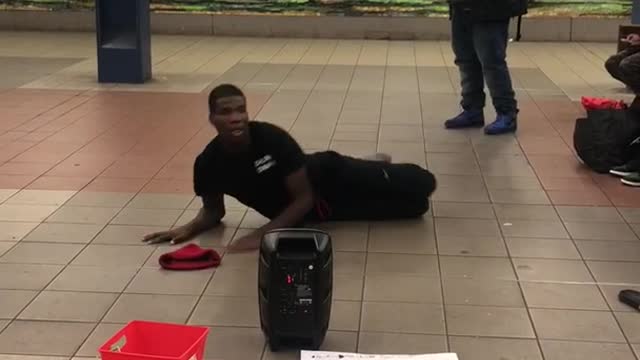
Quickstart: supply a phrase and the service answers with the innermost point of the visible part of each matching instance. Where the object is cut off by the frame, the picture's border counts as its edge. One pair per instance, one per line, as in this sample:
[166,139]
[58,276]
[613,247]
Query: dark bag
[606,138]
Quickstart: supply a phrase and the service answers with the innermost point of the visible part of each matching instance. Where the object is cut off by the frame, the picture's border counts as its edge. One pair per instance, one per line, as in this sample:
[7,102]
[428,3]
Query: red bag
[593,103]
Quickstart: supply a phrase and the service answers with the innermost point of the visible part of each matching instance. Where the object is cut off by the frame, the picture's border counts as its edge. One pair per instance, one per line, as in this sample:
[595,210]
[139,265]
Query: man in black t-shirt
[263,167]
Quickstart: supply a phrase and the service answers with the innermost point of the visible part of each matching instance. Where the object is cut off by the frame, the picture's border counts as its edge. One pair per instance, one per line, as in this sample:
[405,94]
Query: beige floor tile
[253,220]
[348,263]
[43,338]
[425,265]
[232,282]
[552,270]
[636,348]
[506,212]
[30,357]
[542,248]
[403,237]
[348,236]
[25,213]
[463,195]
[93,278]
[488,321]
[463,210]
[222,343]
[218,237]
[345,316]
[512,183]
[534,229]
[403,318]
[476,268]
[630,324]
[68,306]
[241,260]
[3,325]
[13,301]
[6,246]
[64,233]
[600,231]
[160,201]
[125,234]
[391,343]
[589,214]
[27,276]
[531,197]
[99,336]
[157,281]
[564,296]
[41,253]
[610,250]
[402,288]
[615,272]
[147,307]
[334,341]
[226,311]
[7,193]
[472,228]
[485,292]
[41,197]
[568,350]
[494,348]
[148,217]
[83,215]
[464,246]
[576,325]
[348,287]
[113,255]
[611,292]
[100,199]
[15,231]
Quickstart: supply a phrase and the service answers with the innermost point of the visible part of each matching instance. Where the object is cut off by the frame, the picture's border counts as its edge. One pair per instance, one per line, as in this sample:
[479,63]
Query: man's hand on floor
[246,243]
[174,236]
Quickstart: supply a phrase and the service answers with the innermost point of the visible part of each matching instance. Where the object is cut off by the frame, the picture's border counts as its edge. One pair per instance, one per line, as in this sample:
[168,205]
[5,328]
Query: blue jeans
[480,53]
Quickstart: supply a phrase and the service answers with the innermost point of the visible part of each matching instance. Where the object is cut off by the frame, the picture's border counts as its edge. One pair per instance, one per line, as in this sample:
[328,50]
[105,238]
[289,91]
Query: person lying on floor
[264,168]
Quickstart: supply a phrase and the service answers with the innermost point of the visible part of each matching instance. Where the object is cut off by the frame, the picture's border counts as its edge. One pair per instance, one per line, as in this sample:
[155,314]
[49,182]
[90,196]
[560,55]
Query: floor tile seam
[313,88]
[514,267]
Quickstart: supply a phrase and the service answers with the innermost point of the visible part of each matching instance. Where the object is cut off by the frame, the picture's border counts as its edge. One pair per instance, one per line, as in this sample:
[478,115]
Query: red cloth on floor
[190,257]
[593,103]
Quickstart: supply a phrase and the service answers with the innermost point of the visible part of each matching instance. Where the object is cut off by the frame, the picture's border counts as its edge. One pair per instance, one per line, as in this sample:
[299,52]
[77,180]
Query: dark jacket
[490,10]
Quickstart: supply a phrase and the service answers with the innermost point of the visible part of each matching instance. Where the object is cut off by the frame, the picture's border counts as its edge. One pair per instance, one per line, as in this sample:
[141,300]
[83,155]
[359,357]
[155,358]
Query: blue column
[124,41]
[635,12]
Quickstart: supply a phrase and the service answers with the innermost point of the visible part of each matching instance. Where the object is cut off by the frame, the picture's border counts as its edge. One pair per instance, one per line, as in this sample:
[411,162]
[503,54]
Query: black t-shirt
[257,178]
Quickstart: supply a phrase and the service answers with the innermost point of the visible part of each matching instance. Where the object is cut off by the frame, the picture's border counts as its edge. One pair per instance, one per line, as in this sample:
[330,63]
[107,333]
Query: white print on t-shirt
[264,163]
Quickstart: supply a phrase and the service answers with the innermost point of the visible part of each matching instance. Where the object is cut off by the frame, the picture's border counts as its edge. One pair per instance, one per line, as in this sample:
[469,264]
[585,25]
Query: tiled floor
[522,256]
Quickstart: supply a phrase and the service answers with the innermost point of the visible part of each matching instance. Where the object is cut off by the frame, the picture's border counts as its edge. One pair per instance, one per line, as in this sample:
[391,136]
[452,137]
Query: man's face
[231,119]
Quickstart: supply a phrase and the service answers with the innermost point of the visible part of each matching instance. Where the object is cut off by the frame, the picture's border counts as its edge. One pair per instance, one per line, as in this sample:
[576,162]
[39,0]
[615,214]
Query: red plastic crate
[145,340]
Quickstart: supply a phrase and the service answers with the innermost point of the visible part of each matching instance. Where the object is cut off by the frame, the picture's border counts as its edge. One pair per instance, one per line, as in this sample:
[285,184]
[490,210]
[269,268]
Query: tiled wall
[424,28]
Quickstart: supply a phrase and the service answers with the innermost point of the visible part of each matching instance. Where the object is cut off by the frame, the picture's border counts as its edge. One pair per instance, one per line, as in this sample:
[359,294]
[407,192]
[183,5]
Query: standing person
[480,34]
[263,167]
[625,65]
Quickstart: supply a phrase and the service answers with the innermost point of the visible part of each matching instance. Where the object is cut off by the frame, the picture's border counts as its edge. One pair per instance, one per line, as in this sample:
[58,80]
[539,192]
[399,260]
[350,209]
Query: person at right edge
[480,34]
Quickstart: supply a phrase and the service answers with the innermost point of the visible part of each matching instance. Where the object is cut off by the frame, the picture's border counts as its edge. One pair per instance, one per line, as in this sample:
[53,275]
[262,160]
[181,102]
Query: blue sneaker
[503,124]
[466,119]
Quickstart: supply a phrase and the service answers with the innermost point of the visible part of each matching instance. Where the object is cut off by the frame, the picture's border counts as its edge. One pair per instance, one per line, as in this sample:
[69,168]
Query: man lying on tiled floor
[264,167]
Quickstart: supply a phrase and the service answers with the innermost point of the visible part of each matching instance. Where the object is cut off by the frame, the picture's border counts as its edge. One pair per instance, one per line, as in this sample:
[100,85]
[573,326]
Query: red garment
[593,103]
[190,257]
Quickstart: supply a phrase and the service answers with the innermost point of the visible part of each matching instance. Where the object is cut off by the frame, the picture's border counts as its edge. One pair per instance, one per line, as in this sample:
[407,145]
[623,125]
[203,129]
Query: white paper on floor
[330,355]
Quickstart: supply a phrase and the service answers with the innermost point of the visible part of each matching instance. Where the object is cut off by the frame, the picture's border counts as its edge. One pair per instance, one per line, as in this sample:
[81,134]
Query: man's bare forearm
[291,216]
[206,219]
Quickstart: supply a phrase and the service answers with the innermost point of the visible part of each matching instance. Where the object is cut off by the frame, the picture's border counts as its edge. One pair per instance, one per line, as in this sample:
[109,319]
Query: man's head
[228,113]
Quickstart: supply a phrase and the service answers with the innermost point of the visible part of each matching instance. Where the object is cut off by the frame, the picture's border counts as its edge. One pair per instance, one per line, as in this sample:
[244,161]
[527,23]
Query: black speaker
[295,285]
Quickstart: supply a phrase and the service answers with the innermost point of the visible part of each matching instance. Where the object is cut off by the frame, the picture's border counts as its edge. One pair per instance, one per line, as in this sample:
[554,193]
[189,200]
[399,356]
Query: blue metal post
[635,12]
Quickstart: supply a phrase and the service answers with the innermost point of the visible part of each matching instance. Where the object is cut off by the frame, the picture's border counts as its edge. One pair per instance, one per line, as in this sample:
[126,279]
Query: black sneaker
[632,179]
[622,170]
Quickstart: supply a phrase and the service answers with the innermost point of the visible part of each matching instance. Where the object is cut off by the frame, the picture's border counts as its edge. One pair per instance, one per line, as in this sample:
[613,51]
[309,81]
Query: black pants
[360,190]
[625,67]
